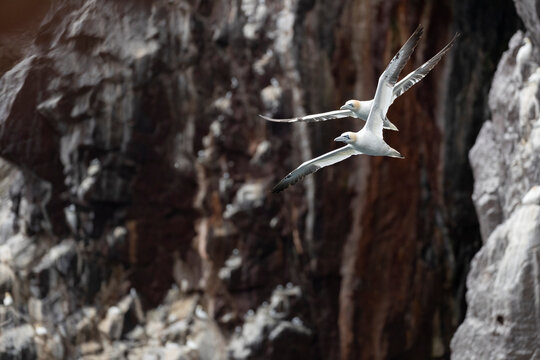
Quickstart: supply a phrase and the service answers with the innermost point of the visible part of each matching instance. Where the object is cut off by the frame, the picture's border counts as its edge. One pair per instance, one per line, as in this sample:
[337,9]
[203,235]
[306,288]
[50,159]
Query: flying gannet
[360,109]
[369,140]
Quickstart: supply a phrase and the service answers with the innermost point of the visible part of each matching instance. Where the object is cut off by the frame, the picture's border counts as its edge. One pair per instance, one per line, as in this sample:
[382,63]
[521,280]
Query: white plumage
[369,140]
[360,109]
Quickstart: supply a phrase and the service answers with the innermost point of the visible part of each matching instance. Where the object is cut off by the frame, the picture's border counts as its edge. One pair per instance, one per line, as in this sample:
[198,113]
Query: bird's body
[360,108]
[369,140]
[366,142]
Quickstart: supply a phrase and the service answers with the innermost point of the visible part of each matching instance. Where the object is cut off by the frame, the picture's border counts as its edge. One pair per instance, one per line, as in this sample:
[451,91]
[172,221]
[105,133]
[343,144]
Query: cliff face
[503,291]
[136,217]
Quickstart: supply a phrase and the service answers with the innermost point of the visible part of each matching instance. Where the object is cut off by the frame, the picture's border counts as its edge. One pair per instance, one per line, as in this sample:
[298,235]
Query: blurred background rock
[136,220]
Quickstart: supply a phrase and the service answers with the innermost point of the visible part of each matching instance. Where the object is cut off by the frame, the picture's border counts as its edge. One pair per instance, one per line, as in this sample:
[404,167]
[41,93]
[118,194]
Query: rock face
[18,343]
[503,296]
[136,218]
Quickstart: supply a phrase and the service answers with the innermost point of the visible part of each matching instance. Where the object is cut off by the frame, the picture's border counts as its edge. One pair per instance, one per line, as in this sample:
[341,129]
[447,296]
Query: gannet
[523,57]
[369,140]
[360,109]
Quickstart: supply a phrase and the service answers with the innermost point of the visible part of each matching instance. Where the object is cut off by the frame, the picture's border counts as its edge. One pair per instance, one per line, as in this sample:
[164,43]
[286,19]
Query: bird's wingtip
[278,188]
[456,37]
[395,154]
[276,120]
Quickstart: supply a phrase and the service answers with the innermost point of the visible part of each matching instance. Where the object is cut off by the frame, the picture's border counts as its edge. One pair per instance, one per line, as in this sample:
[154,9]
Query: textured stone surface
[503,317]
[503,295]
[18,343]
[138,163]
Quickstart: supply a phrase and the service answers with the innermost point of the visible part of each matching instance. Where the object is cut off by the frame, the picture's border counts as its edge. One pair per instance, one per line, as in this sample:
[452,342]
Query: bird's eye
[347,136]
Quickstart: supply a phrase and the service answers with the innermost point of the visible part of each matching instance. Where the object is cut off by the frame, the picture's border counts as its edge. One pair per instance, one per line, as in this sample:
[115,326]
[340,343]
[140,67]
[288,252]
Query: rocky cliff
[136,214]
[503,317]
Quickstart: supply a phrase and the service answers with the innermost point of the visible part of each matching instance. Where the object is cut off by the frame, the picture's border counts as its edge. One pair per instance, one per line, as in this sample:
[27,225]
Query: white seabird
[523,57]
[369,140]
[360,109]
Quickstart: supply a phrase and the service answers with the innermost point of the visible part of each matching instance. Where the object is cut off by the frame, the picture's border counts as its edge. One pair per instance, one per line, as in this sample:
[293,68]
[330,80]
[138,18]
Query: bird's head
[347,137]
[353,105]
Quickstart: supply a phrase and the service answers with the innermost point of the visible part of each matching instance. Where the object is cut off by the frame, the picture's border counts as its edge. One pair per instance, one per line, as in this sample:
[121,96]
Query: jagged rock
[175,352]
[142,116]
[111,326]
[55,347]
[271,328]
[18,343]
[504,156]
[7,279]
[262,153]
[207,339]
[171,351]
[532,197]
[81,326]
[22,250]
[529,12]
[514,107]
[185,275]
[503,284]
[8,176]
[250,196]
[176,332]
[58,265]
[484,160]
[231,267]
[290,340]
[122,318]
[90,348]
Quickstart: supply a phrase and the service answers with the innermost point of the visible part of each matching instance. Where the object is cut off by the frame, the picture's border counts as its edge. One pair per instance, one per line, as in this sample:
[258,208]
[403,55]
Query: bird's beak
[344,107]
[341,138]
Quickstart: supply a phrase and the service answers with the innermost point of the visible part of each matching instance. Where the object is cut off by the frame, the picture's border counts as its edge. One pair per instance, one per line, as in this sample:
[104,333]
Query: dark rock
[290,340]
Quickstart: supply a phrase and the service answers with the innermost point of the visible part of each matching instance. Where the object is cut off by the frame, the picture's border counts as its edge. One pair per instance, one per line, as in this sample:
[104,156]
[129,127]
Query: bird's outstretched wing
[337,114]
[387,80]
[412,78]
[311,166]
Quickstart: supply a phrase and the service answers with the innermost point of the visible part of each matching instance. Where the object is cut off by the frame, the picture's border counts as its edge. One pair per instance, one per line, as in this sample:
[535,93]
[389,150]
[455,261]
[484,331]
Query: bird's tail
[395,154]
[388,125]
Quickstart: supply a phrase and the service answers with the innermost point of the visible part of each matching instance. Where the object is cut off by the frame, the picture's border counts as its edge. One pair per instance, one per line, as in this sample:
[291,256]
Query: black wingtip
[280,186]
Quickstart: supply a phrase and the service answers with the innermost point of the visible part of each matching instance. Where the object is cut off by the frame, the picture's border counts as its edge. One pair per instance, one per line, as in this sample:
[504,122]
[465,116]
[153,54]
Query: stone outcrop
[136,219]
[503,295]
